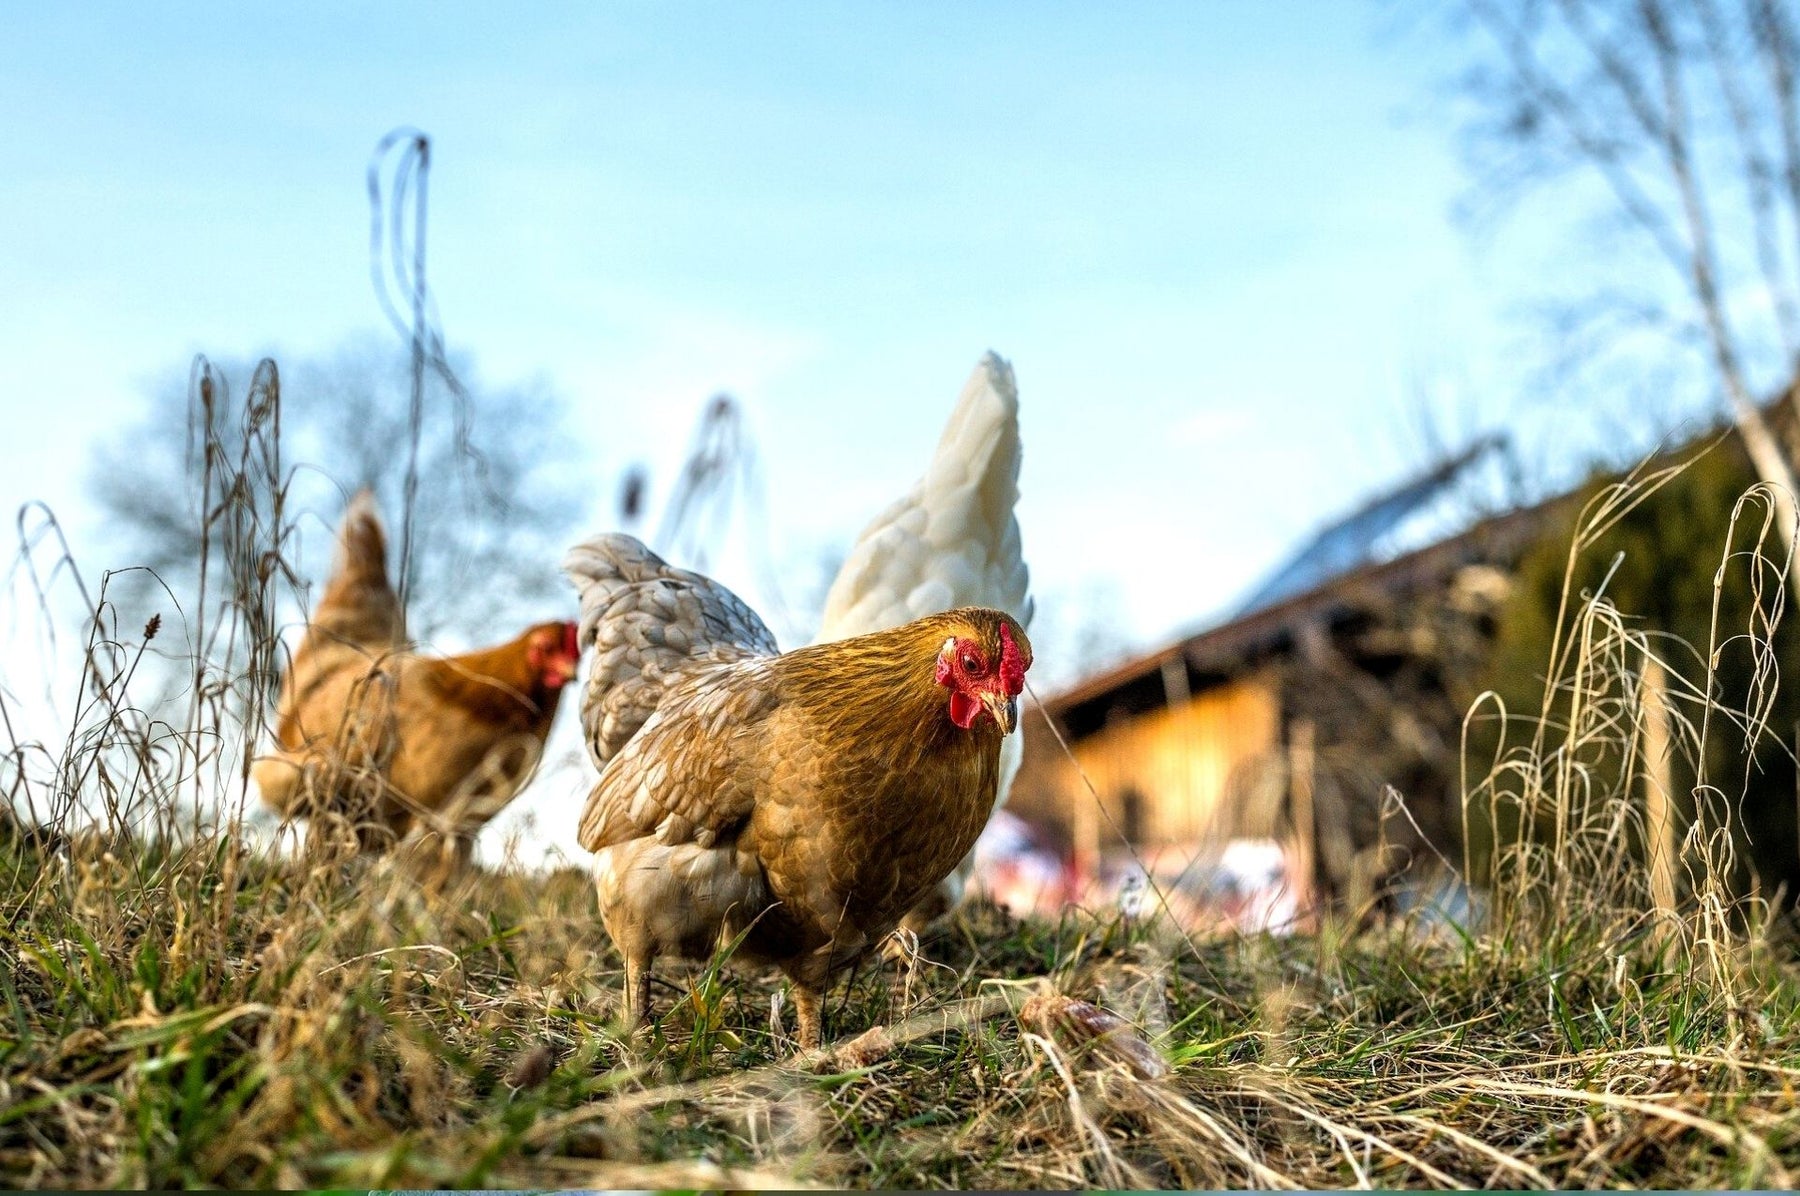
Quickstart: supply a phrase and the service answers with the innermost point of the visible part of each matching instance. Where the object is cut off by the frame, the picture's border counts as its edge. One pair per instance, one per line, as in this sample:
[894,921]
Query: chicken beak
[1004,708]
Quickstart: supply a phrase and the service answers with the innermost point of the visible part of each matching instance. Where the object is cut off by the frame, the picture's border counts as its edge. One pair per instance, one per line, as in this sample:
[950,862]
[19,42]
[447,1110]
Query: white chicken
[952,540]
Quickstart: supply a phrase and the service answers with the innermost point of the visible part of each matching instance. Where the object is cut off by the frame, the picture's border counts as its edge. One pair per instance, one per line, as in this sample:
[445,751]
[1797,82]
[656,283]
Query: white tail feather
[953,540]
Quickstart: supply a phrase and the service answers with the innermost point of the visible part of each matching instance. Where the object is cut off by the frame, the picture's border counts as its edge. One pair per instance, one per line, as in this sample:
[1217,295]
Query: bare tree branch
[1603,153]
[1654,100]
[1759,177]
[1771,464]
[345,423]
[1775,43]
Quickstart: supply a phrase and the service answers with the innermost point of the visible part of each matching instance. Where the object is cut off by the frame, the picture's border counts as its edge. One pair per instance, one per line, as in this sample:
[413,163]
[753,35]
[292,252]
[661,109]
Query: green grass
[197,1016]
[176,1009]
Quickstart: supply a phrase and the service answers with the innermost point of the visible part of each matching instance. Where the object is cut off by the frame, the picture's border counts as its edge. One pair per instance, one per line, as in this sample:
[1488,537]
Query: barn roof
[1374,531]
[1228,649]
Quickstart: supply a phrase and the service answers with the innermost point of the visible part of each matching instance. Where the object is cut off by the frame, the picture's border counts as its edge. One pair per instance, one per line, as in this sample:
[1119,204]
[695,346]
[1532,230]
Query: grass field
[197,1017]
[180,1009]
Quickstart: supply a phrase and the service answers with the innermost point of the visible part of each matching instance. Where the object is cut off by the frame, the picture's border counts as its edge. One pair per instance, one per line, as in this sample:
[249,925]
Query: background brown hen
[389,741]
[806,800]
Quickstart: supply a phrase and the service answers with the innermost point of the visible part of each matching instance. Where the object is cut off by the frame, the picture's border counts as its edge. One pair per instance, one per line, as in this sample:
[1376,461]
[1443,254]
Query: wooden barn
[1290,721]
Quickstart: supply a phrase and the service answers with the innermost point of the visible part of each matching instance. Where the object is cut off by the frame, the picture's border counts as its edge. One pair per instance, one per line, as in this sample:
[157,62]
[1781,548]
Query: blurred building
[1293,723]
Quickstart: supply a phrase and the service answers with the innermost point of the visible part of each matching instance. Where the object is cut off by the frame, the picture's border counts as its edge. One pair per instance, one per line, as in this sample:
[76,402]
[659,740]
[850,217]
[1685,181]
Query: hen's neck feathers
[499,683]
[880,690]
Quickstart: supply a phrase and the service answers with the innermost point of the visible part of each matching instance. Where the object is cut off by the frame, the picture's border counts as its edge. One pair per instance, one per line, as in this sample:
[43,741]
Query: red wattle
[963,709]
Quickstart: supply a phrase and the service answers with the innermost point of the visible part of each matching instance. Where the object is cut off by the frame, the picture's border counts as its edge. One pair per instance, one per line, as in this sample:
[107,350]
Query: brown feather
[370,731]
[359,605]
[805,801]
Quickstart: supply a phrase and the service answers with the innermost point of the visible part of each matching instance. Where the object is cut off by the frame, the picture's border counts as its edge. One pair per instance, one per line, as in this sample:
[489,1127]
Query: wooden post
[1175,681]
[1084,830]
[1659,814]
[1301,763]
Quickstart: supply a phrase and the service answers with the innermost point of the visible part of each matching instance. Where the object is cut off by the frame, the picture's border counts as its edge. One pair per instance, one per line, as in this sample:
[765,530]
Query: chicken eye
[969,663]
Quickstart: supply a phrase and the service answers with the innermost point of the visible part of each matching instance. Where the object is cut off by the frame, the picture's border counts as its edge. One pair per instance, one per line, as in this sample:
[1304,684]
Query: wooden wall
[1162,775]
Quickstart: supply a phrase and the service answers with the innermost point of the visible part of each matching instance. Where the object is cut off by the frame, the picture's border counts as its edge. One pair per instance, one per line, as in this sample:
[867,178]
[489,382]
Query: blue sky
[1214,239]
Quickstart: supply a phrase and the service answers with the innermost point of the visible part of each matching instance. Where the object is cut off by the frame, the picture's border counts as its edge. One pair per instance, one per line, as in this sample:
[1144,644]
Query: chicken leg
[637,993]
[807,1002]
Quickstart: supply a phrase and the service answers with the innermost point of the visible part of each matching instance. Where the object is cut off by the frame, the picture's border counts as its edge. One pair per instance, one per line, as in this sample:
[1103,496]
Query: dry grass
[186,1015]
[182,1009]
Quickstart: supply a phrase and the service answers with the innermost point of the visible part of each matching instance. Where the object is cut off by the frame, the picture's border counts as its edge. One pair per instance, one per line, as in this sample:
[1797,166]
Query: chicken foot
[809,1003]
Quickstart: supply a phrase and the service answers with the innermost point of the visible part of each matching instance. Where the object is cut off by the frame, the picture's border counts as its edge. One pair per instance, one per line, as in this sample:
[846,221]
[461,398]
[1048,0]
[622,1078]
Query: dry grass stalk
[182,1007]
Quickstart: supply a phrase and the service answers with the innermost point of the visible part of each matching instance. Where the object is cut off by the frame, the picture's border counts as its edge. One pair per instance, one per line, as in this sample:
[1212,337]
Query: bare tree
[500,495]
[720,496]
[1680,121]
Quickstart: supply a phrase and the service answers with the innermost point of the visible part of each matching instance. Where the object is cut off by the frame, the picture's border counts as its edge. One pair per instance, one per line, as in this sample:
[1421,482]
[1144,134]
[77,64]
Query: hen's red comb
[1012,663]
[570,643]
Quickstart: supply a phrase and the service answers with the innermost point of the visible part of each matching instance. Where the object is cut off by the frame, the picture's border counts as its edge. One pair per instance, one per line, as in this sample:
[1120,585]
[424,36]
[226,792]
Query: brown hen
[391,742]
[805,801]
